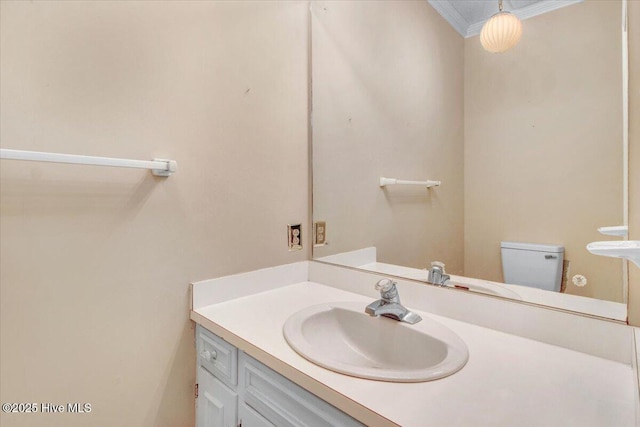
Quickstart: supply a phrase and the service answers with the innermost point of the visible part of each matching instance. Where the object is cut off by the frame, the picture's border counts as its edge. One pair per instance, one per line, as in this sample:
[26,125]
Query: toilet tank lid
[532,247]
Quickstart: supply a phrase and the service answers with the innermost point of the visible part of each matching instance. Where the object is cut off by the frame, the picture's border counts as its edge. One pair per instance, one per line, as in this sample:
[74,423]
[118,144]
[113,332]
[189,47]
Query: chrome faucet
[436,274]
[389,304]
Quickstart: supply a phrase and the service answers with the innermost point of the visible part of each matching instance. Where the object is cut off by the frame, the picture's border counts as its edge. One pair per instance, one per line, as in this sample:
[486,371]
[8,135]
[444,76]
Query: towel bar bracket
[172,166]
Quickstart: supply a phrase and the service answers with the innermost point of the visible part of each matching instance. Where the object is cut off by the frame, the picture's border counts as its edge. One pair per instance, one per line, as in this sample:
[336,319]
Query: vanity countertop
[509,380]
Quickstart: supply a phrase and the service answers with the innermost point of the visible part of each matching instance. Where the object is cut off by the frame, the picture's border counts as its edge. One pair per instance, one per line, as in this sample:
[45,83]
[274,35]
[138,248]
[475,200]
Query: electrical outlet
[294,236]
[320,233]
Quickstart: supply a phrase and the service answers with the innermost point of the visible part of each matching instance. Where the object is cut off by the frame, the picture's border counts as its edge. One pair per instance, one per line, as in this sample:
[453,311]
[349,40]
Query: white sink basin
[339,336]
[627,249]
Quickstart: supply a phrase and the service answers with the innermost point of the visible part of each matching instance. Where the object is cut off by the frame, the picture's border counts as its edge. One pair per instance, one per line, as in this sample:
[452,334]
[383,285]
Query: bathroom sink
[627,249]
[339,336]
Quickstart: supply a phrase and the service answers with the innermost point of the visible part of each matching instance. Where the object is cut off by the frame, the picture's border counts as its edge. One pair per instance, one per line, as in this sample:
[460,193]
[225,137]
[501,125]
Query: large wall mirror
[527,145]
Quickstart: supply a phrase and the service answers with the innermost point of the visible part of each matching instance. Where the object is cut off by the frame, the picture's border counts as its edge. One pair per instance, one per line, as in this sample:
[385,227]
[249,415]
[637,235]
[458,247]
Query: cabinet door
[250,418]
[217,405]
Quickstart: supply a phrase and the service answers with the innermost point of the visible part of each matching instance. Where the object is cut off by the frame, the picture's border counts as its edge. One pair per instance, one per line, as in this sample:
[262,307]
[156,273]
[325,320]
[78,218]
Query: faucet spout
[393,311]
[389,305]
[437,275]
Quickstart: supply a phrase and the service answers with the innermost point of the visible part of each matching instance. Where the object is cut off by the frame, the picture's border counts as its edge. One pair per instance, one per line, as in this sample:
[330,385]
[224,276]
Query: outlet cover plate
[320,233]
[294,237]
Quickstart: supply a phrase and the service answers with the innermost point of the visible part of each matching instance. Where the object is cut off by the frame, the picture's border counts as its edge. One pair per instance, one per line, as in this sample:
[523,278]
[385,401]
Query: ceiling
[468,16]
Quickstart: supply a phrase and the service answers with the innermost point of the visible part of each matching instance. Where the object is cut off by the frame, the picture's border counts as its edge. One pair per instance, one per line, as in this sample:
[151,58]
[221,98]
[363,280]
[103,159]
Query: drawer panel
[283,402]
[217,356]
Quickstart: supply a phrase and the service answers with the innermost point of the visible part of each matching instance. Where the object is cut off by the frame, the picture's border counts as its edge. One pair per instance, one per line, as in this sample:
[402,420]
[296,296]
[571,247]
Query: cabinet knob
[209,356]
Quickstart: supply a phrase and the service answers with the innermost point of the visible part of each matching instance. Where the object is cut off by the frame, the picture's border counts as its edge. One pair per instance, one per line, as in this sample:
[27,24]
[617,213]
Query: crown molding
[451,15]
[466,30]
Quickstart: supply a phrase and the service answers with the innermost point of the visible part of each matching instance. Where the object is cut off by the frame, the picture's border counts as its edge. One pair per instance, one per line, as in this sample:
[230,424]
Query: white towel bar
[392,181]
[159,167]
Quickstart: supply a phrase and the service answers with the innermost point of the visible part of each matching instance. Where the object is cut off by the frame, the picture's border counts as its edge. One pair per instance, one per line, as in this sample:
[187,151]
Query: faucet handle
[438,264]
[384,285]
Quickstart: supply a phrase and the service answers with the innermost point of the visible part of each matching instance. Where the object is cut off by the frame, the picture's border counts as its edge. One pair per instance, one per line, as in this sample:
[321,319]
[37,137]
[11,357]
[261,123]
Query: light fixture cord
[500,5]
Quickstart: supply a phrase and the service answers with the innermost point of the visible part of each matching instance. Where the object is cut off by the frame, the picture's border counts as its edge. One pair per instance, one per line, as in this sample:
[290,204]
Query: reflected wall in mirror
[527,145]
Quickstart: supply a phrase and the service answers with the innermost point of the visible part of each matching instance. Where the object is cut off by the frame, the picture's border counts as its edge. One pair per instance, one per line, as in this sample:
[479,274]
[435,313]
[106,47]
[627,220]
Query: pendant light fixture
[501,32]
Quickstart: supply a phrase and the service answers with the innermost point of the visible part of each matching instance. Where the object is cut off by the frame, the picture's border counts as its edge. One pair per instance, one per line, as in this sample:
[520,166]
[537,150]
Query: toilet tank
[531,264]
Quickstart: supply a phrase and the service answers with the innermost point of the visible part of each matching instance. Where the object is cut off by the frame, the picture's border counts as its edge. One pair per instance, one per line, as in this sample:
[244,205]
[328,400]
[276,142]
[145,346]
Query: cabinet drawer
[284,403]
[217,356]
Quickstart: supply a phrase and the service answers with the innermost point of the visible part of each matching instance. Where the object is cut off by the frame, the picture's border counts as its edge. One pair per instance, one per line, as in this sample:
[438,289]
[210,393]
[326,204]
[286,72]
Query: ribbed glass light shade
[501,32]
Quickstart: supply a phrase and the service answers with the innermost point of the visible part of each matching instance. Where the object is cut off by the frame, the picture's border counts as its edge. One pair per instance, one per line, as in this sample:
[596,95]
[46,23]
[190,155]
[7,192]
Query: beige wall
[388,101]
[543,148]
[634,155]
[96,262]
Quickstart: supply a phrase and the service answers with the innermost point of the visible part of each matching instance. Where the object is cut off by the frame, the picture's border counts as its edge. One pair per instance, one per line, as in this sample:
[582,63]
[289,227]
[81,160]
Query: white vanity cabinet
[234,389]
